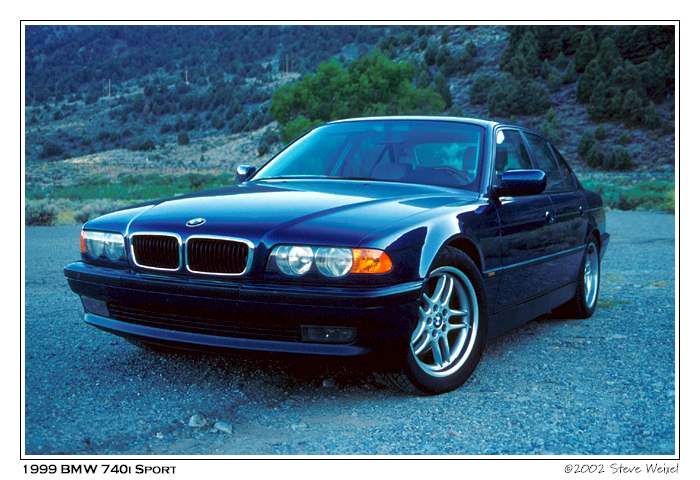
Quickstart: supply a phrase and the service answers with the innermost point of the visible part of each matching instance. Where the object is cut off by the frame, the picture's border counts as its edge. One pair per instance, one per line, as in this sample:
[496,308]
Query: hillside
[115,105]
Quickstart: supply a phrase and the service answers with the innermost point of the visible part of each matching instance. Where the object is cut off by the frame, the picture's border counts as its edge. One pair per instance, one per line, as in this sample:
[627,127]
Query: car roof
[477,121]
[473,121]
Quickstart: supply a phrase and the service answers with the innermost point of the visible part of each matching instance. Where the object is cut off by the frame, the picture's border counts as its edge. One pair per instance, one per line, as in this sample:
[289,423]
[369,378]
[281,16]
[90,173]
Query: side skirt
[518,315]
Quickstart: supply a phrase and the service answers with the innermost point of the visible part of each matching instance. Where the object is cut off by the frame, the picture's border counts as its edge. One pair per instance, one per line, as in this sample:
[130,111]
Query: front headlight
[102,245]
[296,260]
[333,262]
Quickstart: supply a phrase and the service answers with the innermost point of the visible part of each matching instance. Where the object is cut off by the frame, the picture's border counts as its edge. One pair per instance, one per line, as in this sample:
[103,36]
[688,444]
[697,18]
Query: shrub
[183,139]
[91,98]
[268,138]
[594,156]
[96,208]
[142,145]
[619,159]
[479,92]
[600,133]
[442,86]
[40,212]
[509,96]
[51,149]
[625,139]
[430,54]
[550,126]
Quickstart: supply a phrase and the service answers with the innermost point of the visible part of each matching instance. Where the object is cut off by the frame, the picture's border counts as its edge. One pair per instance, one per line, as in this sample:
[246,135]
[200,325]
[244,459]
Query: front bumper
[210,314]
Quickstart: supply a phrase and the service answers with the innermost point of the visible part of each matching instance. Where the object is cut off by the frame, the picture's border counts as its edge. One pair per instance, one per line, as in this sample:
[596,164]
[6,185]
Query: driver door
[525,230]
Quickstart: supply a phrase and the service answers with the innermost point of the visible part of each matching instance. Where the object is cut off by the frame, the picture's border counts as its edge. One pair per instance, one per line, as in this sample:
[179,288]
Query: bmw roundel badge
[195,222]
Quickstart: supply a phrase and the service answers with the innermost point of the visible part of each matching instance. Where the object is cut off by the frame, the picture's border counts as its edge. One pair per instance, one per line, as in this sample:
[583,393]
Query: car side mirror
[244,172]
[518,183]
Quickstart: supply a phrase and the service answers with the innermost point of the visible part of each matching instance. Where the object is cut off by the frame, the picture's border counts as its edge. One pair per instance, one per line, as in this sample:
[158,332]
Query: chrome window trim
[164,234]
[249,260]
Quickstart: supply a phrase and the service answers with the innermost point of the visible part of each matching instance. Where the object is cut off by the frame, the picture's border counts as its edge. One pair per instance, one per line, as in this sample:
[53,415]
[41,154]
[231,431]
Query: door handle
[549,218]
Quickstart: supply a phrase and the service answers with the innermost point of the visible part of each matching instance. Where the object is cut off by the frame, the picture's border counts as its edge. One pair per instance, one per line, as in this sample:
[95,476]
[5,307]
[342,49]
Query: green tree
[586,50]
[650,117]
[599,102]
[609,56]
[545,69]
[570,73]
[554,81]
[632,109]
[587,82]
[525,61]
[560,62]
[370,85]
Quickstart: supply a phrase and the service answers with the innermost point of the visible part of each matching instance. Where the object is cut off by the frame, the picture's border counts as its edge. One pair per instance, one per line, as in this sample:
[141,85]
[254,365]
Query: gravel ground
[599,386]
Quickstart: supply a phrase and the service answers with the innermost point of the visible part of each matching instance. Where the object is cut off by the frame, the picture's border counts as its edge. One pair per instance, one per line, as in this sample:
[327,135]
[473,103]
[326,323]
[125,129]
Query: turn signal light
[83,247]
[369,260]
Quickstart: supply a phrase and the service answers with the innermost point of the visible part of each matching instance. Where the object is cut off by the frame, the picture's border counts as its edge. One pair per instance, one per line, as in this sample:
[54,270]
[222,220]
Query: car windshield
[429,152]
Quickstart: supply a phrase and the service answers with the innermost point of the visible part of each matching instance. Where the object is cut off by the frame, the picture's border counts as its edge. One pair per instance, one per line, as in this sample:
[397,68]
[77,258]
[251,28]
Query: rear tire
[583,304]
[449,330]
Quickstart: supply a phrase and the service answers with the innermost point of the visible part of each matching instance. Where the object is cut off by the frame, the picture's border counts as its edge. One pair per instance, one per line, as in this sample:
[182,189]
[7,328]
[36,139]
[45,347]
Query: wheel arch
[459,241]
[469,247]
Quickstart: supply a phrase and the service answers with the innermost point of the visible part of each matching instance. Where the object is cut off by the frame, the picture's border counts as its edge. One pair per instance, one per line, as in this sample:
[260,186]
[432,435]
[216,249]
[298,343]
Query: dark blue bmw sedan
[412,238]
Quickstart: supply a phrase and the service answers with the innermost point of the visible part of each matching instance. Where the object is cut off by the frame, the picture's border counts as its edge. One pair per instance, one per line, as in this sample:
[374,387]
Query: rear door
[569,221]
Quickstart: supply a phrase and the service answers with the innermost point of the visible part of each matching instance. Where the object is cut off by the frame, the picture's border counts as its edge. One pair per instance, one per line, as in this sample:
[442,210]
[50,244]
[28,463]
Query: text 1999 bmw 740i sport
[414,239]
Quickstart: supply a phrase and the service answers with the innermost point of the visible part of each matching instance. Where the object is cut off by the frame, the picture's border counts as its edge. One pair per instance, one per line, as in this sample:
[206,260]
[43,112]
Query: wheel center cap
[437,322]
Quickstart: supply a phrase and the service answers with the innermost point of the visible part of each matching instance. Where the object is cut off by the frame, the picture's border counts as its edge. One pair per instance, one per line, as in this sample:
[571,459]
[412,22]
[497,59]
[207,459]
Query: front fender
[473,228]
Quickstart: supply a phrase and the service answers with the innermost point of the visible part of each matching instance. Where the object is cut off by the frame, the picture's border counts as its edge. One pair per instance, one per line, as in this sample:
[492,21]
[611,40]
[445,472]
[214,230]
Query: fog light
[312,333]
[98,307]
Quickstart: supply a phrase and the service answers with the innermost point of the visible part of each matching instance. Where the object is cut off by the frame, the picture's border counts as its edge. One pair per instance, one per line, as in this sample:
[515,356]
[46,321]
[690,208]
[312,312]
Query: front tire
[450,329]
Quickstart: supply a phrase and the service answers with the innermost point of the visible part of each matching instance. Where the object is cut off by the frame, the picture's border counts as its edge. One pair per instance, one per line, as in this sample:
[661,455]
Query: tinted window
[427,152]
[567,176]
[511,153]
[544,158]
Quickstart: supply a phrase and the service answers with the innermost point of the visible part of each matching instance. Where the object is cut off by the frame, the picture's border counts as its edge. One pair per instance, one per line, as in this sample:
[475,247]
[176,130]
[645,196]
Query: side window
[544,158]
[511,153]
[567,176]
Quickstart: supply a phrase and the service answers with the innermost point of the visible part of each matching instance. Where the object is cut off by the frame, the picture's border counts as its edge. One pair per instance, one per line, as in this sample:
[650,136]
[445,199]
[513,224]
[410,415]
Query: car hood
[318,211]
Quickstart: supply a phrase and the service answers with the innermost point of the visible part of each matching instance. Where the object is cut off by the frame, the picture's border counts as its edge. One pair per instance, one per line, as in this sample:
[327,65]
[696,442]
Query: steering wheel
[457,173]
